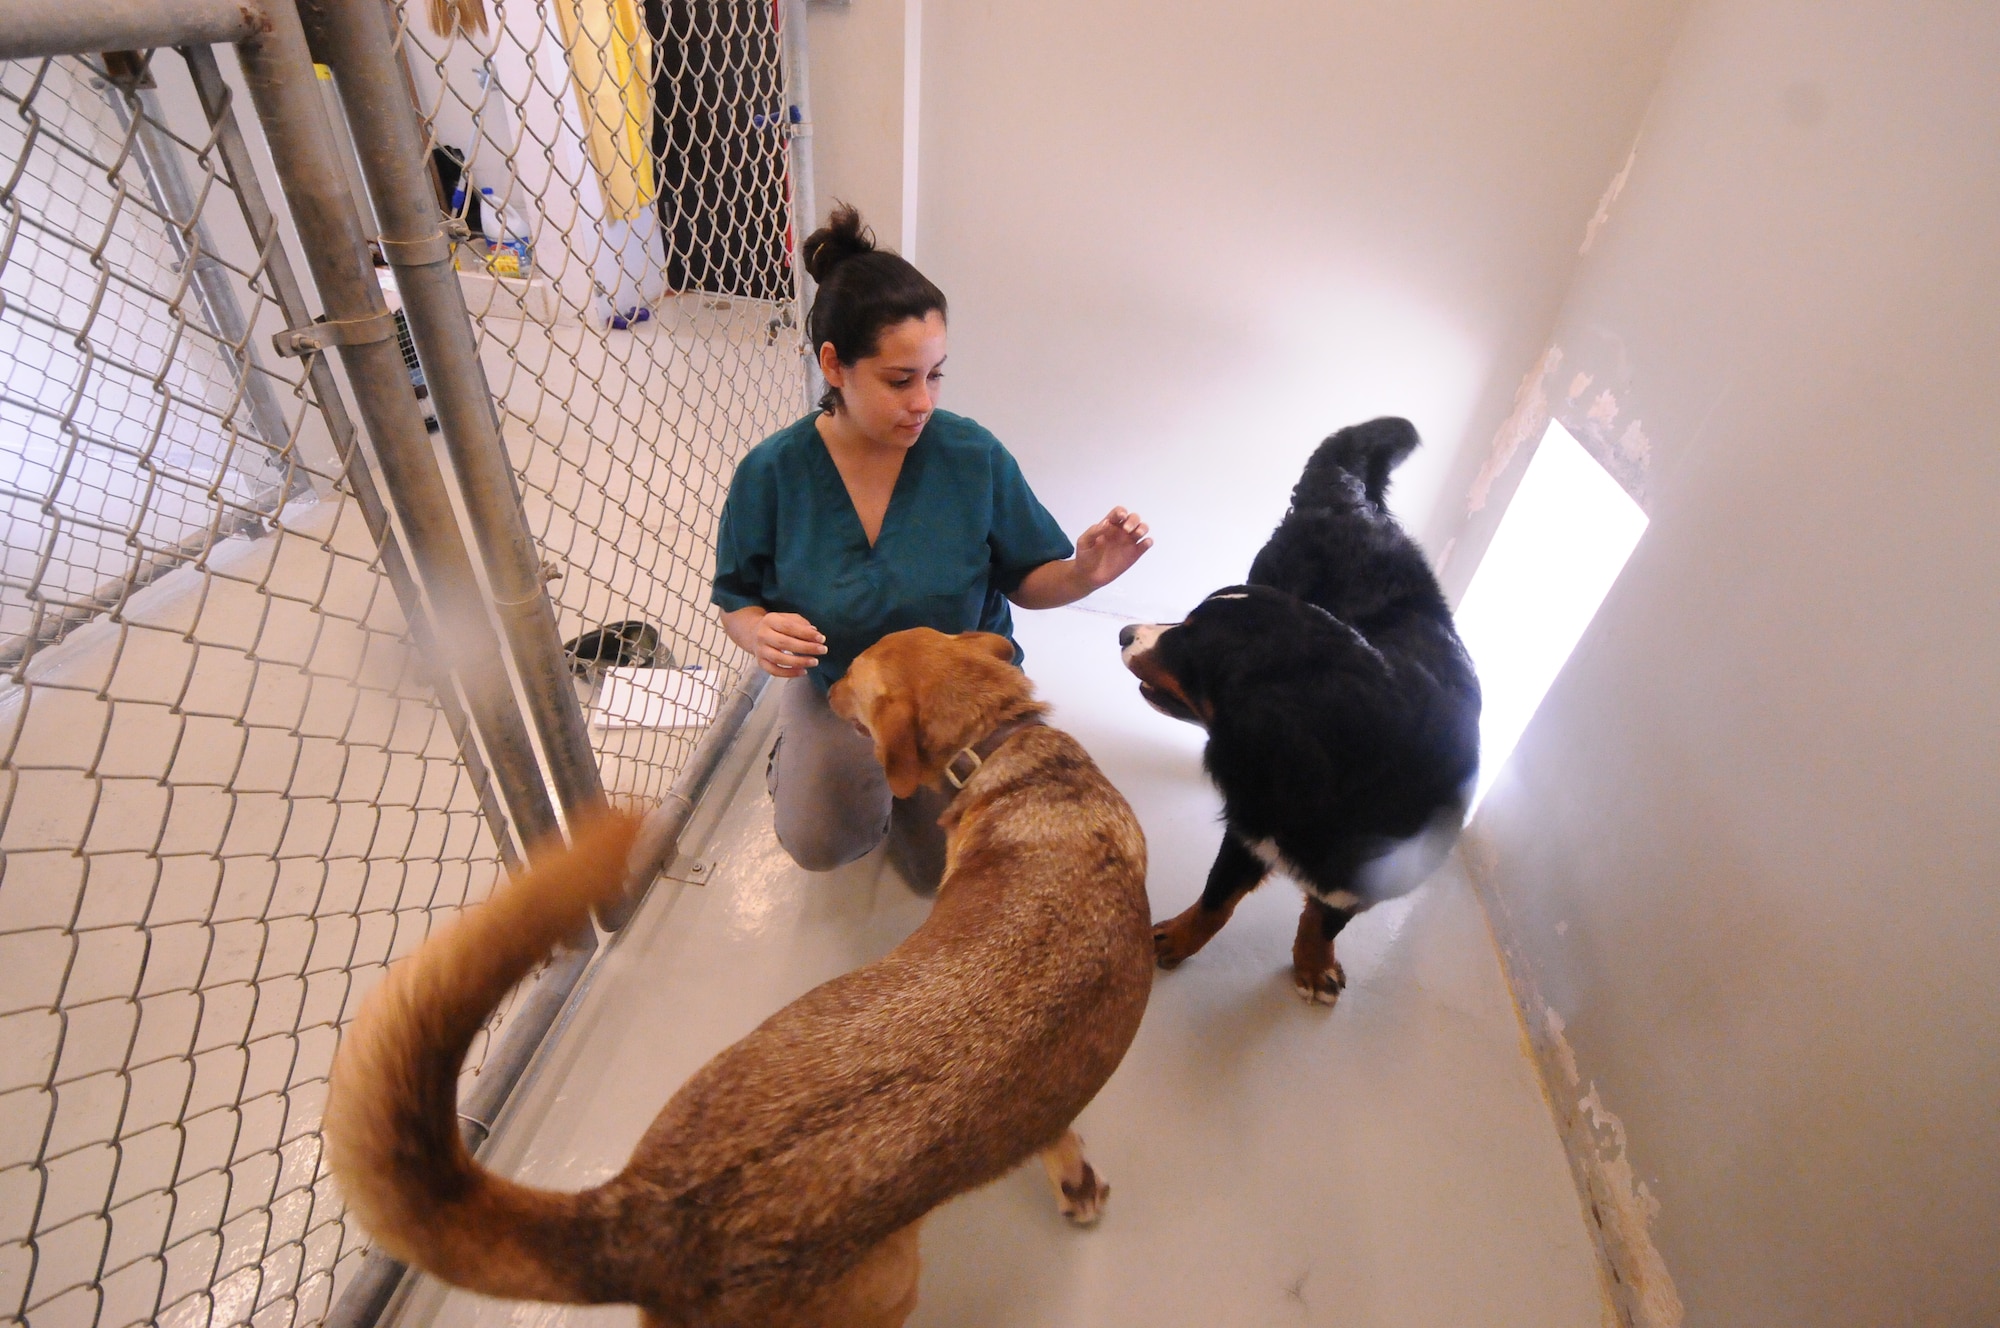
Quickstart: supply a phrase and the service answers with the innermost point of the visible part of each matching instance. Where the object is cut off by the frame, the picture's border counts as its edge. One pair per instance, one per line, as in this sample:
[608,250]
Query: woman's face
[888,397]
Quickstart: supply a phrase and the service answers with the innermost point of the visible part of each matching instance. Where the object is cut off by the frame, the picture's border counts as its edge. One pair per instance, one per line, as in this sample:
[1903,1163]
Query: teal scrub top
[962,529]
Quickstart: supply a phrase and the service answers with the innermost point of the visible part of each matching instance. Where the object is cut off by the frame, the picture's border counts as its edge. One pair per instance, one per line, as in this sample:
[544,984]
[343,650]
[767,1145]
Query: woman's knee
[830,800]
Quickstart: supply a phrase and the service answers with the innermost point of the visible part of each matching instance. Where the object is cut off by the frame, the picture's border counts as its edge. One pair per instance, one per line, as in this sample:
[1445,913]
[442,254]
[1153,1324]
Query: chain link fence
[234,783]
[227,798]
[635,307]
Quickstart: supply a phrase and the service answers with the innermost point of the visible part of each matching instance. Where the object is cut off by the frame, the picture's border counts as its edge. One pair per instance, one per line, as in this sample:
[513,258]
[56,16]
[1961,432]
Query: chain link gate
[272,701]
[650,333]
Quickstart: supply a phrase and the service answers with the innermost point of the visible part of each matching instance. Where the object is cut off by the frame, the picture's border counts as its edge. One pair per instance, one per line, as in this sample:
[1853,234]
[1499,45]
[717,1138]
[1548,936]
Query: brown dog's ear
[895,728]
[993,644]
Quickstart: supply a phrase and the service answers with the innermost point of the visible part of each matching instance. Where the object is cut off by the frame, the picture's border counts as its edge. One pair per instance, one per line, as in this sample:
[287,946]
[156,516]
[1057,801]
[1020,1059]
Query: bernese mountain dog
[1342,711]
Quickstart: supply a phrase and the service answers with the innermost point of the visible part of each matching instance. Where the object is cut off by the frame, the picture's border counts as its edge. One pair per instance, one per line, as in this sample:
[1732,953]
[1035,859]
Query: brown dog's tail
[391,1114]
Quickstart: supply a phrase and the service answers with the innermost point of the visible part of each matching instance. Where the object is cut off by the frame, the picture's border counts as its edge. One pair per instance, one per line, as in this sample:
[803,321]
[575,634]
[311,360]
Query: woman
[876,513]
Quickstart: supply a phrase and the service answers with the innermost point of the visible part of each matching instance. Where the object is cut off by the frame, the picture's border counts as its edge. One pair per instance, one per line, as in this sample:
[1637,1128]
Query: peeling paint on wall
[1626,1208]
[1565,1056]
[1627,453]
[1598,405]
[1623,1206]
[1620,1207]
[1611,192]
[1529,417]
[1634,447]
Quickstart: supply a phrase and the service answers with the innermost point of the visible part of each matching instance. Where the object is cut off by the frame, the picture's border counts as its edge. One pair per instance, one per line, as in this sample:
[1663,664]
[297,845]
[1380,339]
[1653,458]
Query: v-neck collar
[899,493]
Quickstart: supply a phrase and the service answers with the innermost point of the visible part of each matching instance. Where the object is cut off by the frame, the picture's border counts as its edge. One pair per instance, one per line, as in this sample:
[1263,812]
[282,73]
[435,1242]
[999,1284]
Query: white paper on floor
[638,698]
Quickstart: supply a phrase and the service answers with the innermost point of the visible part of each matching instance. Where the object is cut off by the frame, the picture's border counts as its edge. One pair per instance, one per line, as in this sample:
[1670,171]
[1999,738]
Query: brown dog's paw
[1320,988]
[1080,1192]
[1168,949]
[1082,1202]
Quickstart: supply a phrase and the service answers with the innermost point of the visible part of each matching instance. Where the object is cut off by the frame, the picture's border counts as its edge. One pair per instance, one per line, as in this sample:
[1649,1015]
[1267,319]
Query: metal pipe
[798,75]
[216,103]
[659,837]
[533,1026]
[148,567]
[367,1294]
[805,209]
[356,42]
[138,112]
[286,94]
[33,29]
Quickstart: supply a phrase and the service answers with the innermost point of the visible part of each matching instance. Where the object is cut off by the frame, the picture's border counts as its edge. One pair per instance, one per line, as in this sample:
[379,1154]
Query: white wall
[1182,244]
[1745,859]
[1744,862]
[862,83]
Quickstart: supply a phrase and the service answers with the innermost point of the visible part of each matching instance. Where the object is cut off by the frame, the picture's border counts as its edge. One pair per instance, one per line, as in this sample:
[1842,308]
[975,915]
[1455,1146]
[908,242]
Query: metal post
[355,41]
[286,94]
[33,29]
[805,209]
[138,112]
[798,78]
[215,97]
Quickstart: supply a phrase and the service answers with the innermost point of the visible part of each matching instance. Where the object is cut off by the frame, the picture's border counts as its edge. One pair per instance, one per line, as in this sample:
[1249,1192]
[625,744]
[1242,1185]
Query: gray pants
[832,801]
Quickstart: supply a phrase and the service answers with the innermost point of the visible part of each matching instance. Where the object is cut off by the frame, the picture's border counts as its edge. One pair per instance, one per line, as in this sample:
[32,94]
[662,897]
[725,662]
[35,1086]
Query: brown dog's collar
[980,752]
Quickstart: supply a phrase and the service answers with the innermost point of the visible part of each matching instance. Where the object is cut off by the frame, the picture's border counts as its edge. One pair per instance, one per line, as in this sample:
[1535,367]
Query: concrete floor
[1388,1162]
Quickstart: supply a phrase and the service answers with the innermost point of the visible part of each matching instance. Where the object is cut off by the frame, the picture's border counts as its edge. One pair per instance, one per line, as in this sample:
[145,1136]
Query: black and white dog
[1342,712]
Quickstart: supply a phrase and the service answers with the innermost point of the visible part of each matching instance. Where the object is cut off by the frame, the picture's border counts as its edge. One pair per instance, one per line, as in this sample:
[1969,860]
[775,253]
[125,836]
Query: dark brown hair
[862,290]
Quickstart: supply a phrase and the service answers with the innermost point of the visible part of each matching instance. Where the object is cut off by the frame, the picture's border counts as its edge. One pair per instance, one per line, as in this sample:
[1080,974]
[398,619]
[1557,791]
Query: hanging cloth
[611,63]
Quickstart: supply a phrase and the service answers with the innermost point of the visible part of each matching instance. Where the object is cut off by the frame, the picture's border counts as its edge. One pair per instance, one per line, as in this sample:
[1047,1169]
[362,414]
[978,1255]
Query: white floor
[1388,1162]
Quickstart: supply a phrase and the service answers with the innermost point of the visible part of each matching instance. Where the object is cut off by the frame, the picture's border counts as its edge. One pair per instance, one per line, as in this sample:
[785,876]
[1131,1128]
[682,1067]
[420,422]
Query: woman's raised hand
[788,645]
[1109,548]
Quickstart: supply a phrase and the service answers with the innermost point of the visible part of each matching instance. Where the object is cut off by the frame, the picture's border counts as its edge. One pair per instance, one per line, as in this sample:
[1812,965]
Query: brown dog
[784,1183]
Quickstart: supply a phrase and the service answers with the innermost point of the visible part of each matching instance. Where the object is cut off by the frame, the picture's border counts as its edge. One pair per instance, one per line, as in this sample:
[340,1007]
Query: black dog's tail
[1364,452]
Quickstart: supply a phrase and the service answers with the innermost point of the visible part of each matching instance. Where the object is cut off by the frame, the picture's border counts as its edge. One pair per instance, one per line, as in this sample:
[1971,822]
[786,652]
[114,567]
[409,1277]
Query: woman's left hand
[1109,548]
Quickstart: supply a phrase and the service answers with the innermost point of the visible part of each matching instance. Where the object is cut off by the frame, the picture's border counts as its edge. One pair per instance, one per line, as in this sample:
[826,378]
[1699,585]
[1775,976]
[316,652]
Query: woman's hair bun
[857,299]
[843,237]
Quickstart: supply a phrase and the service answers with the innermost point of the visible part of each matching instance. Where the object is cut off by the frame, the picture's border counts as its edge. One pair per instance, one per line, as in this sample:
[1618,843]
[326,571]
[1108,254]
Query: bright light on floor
[1560,546]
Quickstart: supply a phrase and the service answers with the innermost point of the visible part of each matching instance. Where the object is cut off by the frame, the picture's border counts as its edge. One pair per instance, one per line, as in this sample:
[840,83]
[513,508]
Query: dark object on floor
[449,163]
[1342,711]
[624,320]
[619,645]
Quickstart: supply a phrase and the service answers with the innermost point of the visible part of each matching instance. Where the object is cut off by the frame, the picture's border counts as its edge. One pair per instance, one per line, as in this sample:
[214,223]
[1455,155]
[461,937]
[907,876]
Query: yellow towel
[611,62]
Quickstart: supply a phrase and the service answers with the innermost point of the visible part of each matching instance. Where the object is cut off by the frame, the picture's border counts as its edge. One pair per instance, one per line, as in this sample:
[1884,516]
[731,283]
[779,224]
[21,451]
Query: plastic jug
[510,250]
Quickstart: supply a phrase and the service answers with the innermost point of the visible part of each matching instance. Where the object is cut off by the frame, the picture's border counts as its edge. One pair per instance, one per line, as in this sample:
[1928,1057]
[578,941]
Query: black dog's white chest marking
[1266,852]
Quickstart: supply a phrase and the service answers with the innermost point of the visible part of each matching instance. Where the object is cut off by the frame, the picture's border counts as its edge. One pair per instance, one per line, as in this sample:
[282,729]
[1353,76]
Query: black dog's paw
[1322,987]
